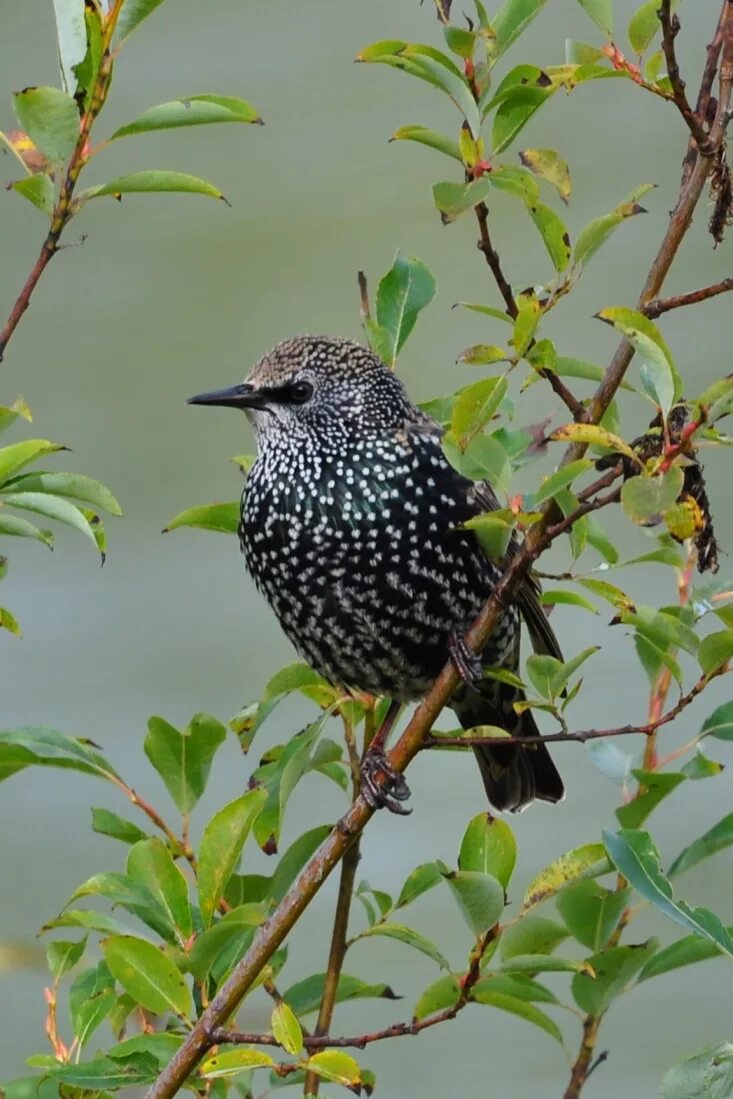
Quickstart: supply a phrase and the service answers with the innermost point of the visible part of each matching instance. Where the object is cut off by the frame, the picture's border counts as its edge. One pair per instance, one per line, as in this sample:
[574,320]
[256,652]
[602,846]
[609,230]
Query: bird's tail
[513,776]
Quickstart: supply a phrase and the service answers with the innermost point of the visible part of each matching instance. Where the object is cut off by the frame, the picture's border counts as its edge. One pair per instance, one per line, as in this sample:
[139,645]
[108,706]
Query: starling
[352,528]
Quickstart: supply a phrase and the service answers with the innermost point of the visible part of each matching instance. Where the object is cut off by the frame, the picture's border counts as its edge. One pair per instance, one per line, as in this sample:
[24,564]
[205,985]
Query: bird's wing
[541,632]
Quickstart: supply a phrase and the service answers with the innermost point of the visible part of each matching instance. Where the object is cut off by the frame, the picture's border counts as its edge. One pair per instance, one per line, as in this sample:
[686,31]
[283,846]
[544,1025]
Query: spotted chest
[359,552]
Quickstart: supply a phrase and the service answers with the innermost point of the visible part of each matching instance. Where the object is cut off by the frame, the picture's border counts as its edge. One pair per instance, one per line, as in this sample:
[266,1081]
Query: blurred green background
[177,294]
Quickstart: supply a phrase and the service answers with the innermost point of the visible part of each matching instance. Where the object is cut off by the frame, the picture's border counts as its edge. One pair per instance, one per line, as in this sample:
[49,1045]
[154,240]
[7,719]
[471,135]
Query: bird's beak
[236,396]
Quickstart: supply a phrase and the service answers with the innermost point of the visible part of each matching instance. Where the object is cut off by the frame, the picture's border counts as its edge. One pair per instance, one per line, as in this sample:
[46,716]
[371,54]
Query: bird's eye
[300,392]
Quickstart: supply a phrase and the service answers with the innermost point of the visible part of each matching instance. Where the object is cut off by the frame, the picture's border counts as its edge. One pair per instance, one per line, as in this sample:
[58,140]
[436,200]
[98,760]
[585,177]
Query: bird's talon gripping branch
[467,663]
[381,786]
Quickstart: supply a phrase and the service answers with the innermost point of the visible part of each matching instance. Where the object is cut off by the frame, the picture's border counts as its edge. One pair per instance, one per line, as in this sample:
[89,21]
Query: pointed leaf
[305,996]
[334,1065]
[153,181]
[658,784]
[147,974]
[531,935]
[635,856]
[403,293]
[546,164]
[195,110]
[150,862]
[14,457]
[587,861]
[132,14]
[521,1008]
[106,823]
[613,970]
[489,847]
[50,117]
[480,898]
[409,937]
[51,507]
[219,517]
[232,1061]
[75,485]
[221,846]
[590,911]
[38,189]
[183,759]
[715,839]
[440,994]
[511,19]
[419,881]
[433,140]
[286,1028]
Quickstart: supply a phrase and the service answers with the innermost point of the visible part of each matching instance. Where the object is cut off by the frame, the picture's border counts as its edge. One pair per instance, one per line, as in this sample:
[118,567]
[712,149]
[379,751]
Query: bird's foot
[381,786]
[467,663]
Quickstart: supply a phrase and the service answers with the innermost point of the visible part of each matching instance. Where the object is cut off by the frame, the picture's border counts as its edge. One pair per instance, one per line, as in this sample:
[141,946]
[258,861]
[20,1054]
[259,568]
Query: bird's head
[317,385]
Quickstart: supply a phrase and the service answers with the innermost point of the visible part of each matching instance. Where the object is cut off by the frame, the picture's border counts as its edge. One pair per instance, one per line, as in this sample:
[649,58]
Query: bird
[352,527]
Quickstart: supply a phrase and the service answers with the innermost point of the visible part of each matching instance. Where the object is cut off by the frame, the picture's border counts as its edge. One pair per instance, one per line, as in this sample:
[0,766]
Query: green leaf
[590,911]
[460,41]
[161,1045]
[644,26]
[86,70]
[132,895]
[221,846]
[154,181]
[542,963]
[518,1007]
[706,1075]
[132,14]
[225,941]
[489,847]
[150,863]
[106,823]
[232,1061]
[74,485]
[334,1065]
[63,956]
[303,678]
[493,533]
[54,749]
[91,1013]
[715,651]
[295,858]
[15,527]
[195,110]
[419,881]
[485,310]
[596,232]
[660,379]
[219,517]
[286,1028]
[531,935]
[601,14]
[440,994]
[72,39]
[635,856]
[403,293]
[454,199]
[433,140]
[8,416]
[552,596]
[720,723]
[104,1073]
[279,776]
[480,898]
[305,996]
[92,921]
[658,784]
[475,407]
[18,455]
[517,985]
[586,861]
[715,839]
[407,936]
[685,951]
[482,354]
[515,111]
[614,969]
[604,590]
[483,459]
[50,117]
[700,766]
[9,622]
[546,164]
[554,234]
[51,507]
[38,189]
[511,20]
[183,759]
[561,478]
[147,974]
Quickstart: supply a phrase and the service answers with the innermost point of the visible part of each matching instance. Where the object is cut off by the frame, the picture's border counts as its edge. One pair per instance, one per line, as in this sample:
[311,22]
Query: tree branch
[64,209]
[670,29]
[665,305]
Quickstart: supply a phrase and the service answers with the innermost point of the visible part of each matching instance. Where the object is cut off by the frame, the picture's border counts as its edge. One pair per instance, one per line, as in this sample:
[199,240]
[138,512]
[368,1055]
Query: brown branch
[491,256]
[64,208]
[670,29]
[694,297]
[276,928]
[648,729]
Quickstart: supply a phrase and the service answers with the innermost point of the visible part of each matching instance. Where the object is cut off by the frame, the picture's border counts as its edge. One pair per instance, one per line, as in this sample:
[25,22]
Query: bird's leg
[381,786]
[467,663]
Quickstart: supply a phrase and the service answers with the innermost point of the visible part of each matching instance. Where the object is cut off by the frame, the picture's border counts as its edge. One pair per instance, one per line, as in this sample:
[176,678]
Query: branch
[670,29]
[276,928]
[64,210]
[492,258]
[433,740]
[665,305]
[221,1036]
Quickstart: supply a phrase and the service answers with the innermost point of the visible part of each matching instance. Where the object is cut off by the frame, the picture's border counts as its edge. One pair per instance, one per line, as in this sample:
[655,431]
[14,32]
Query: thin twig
[694,297]
[670,29]
[64,209]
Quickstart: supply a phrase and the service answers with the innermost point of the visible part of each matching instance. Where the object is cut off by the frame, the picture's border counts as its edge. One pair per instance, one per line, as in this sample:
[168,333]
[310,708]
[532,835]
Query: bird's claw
[381,786]
[467,663]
